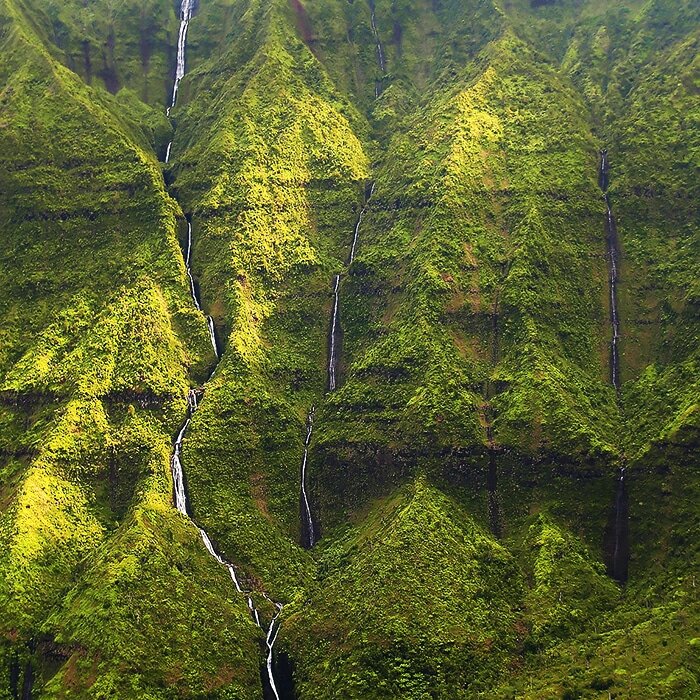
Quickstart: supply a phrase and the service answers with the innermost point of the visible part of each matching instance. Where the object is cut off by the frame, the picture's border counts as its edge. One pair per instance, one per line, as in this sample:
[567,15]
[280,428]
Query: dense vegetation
[465,476]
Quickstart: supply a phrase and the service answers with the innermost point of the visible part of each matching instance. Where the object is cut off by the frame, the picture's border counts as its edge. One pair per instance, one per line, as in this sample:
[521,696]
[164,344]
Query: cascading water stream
[308,534]
[334,343]
[188,254]
[179,490]
[185,16]
[381,60]
[356,233]
[308,531]
[612,243]
[181,503]
[186,8]
[193,290]
[270,640]
[212,335]
[335,331]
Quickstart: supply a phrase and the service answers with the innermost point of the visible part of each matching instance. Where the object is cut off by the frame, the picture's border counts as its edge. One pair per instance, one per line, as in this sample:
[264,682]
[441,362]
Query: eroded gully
[308,529]
[308,533]
[381,60]
[619,556]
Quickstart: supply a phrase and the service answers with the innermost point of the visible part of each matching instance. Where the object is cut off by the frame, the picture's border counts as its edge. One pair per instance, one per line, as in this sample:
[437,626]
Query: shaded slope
[415,601]
[480,270]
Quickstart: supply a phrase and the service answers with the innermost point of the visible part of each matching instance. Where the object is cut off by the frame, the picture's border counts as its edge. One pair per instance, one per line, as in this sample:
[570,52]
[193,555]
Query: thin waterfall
[188,254]
[193,289]
[309,536]
[334,343]
[186,8]
[176,468]
[185,16]
[179,490]
[212,335]
[614,317]
[182,505]
[613,257]
[335,331]
[270,640]
[356,233]
[308,533]
[381,60]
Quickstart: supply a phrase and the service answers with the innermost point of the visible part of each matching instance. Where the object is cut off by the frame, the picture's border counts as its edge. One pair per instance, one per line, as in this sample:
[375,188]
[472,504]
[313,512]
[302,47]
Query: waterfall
[603,173]
[309,536]
[379,49]
[185,17]
[182,505]
[614,318]
[356,233]
[613,253]
[193,288]
[335,329]
[270,640]
[212,335]
[334,344]
[176,468]
[179,490]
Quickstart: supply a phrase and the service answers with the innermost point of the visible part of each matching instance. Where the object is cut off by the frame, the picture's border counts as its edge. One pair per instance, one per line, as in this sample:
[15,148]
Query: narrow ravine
[619,558]
[620,555]
[381,60]
[308,528]
[336,330]
[179,491]
[613,258]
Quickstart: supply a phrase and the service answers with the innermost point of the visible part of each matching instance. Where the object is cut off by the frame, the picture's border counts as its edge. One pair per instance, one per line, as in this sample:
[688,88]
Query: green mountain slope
[404,195]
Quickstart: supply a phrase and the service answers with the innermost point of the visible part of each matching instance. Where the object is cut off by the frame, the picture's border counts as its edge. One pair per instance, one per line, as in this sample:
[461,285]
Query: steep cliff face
[390,212]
